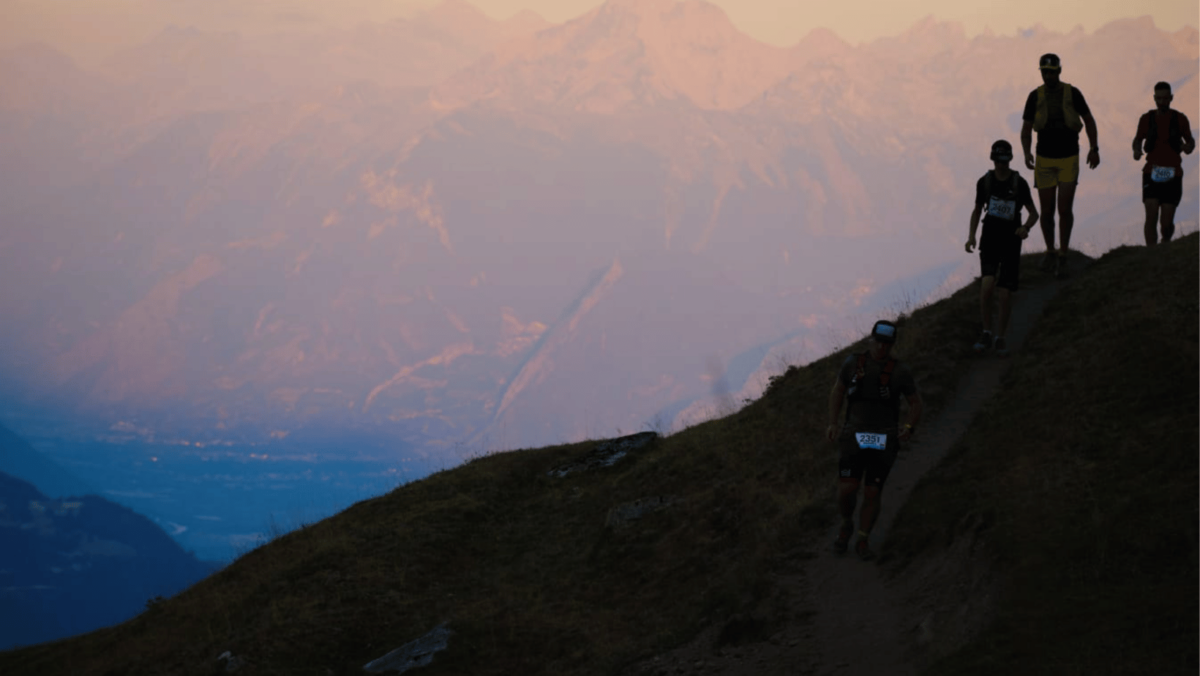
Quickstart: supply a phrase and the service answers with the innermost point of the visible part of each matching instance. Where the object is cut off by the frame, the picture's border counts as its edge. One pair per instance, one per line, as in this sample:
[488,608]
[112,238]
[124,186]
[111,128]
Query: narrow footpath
[845,619]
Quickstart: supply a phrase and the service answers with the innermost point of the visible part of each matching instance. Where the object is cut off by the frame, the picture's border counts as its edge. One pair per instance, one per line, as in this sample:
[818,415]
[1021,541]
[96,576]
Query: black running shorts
[1167,192]
[873,464]
[1003,262]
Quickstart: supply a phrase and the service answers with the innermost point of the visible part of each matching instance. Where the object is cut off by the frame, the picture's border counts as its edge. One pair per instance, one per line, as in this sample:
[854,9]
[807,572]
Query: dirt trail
[844,618]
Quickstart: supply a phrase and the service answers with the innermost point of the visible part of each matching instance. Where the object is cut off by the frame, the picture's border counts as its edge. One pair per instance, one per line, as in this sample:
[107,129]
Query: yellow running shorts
[1049,172]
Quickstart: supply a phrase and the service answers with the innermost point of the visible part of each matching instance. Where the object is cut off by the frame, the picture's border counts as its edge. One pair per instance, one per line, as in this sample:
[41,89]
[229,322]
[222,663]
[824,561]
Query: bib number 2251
[871,440]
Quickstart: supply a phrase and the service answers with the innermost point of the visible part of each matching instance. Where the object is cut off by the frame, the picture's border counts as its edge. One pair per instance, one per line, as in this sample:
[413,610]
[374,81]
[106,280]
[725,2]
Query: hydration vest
[855,393]
[1070,115]
[990,179]
[1174,136]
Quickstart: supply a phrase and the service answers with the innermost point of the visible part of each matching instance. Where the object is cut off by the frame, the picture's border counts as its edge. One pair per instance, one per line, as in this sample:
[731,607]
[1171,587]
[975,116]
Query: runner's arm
[1139,138]
[1027,142]
[836,395]
[915,405]
[1089,123]
[1033,216]
[1189,143]
[974,227]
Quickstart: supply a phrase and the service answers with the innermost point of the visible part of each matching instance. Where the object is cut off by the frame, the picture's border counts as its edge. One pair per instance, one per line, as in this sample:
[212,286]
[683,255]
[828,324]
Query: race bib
[1162,174]
[1006,209]
[871,440]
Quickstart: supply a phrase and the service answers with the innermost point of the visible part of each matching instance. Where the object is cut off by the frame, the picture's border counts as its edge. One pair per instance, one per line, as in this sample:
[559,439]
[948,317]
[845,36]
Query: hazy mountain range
[462,232]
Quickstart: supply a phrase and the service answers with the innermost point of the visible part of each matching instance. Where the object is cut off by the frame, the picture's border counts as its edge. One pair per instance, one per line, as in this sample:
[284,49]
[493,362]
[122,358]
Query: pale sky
[90,29]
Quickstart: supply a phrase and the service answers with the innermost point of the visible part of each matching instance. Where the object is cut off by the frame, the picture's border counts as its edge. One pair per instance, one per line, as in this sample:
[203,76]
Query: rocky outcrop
[417,653]
[607,453]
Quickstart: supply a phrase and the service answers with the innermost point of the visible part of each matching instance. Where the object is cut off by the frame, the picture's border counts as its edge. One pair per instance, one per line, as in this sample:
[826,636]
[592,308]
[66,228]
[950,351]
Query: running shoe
[1001,347]
[1060,270]
[863,549]
[843,540]
[984,343]
[1048,262]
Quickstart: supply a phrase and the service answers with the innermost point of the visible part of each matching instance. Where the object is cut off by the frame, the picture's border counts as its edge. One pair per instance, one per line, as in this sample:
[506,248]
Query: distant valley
[219,501]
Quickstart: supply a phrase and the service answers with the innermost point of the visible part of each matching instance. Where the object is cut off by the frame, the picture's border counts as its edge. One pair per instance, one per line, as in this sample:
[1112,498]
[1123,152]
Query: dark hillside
[1080,479]
[536,574]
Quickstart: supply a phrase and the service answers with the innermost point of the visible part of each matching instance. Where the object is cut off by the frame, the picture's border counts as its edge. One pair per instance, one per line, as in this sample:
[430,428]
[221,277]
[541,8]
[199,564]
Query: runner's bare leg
[1005,310]
[870,508]
[1151,228]
[1066,214]
[1047,197]
[1168,220]
[847,497]
[985,301]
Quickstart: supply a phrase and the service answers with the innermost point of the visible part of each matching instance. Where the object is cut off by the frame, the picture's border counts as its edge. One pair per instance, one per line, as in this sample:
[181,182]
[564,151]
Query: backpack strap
[1151,131]
[860,369]
[1174,136]
[1070,116]
[885,376]
[1042,114]
[989,180]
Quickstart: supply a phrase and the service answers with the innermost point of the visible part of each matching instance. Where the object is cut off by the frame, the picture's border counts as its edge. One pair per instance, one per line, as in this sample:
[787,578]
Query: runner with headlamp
[873,383]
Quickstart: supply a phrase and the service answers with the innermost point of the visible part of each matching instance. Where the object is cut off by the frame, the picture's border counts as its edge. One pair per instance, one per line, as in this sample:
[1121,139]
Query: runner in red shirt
[1163,133]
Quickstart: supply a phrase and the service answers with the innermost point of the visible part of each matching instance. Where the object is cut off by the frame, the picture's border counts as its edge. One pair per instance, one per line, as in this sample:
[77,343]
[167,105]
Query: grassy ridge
[1082,475]
[523,565]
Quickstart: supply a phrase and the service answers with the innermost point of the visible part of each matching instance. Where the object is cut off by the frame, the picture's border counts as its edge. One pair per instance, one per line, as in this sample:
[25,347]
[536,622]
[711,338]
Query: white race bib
[1006,209]
[1162,174]
[871,440]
